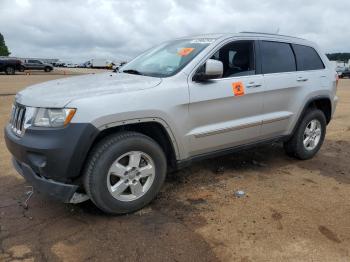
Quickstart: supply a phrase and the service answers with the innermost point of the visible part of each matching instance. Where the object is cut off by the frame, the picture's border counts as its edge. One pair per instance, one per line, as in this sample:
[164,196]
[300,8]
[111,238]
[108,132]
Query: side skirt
[187,162]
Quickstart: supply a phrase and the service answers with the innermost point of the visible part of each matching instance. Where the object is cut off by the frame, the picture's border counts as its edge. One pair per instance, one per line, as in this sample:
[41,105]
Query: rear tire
[10,70]
[47,69]
[135,162]
[308,137]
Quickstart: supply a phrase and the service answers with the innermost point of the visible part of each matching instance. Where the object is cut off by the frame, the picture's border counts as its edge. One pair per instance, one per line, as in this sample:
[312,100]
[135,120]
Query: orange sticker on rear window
[238,88]
[185,51]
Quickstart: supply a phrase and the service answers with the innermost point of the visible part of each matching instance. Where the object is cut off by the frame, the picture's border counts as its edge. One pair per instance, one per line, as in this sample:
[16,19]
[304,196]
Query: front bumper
[52,159]
[56,154]
[59,191]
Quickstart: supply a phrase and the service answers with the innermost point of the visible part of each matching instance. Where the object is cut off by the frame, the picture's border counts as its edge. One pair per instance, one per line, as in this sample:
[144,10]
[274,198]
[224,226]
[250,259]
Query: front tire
[308,137]
[124,172]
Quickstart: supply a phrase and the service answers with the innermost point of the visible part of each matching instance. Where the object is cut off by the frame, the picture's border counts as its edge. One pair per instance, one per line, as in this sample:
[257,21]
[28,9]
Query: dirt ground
[293,210]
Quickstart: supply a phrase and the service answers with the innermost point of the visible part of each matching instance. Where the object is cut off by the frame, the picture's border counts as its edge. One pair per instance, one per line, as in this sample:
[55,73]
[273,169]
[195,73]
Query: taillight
[336,80]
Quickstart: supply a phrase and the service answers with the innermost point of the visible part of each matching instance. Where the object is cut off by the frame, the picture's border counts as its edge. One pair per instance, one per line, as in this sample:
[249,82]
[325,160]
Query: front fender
[105,123]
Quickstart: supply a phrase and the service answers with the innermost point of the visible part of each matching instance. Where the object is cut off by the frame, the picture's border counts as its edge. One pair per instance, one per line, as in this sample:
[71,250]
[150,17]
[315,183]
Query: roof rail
[262,33]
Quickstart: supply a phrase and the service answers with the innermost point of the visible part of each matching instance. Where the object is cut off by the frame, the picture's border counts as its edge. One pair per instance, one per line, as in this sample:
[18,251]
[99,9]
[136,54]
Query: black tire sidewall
[100,194]
[11,72]
[302,152]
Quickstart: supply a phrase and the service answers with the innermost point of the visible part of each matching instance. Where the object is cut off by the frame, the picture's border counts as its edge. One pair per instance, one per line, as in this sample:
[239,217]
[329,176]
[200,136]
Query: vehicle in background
[344,73]
[97,63]
[82,65]
[339,72]
[59,64]
[10,65]
[87,64]
[117,67]
[71,65]
[34,64]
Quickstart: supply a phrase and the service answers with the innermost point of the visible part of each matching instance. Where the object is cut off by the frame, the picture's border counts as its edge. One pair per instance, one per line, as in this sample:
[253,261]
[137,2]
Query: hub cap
[312,134]
[131,176]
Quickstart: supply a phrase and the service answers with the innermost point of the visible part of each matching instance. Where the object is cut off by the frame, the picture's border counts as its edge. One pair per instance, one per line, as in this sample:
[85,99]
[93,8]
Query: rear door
[310,67]
[282,87]
[291,73]
[227,112]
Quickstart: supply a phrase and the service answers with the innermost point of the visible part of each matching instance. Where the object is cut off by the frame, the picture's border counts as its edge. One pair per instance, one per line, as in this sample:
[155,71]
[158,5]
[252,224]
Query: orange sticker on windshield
[185,51]
[238,88]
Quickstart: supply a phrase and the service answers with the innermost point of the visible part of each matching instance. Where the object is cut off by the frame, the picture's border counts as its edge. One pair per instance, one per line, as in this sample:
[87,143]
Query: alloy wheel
[131,176]
[312,134]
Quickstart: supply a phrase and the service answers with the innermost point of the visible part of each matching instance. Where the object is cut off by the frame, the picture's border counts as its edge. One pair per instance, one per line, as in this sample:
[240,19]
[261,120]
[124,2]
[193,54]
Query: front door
[226,112]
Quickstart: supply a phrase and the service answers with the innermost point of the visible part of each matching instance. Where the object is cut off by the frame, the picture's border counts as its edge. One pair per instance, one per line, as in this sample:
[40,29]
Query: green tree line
[3,48]
[339,57]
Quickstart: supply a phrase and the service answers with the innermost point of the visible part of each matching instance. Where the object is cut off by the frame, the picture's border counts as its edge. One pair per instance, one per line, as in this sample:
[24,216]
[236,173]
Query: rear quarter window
[307,58]
[277,57]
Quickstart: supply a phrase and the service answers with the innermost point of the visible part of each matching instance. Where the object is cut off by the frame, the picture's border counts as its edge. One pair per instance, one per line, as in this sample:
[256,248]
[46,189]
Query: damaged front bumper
[60,191]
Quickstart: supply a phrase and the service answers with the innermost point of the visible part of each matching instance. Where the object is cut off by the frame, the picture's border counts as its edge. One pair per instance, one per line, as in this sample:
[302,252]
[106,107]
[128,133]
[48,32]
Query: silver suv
[112,137]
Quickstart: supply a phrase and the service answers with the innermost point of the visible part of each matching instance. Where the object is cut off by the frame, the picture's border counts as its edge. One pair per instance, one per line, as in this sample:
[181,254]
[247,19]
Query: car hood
[58,93]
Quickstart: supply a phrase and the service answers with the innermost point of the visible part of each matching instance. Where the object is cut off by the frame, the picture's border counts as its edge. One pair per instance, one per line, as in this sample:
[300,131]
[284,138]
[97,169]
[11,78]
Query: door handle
[253,85]
[302,79]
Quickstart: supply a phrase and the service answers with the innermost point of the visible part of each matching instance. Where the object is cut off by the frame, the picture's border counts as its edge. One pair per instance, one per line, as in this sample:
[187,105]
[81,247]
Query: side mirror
[210,70]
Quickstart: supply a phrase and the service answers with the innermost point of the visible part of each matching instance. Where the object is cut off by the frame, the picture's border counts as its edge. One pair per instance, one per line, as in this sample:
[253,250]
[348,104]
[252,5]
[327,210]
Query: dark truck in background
[10,65]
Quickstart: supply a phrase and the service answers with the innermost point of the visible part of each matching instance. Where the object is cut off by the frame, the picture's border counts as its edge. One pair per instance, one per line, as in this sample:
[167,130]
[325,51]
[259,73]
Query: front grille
[17,119]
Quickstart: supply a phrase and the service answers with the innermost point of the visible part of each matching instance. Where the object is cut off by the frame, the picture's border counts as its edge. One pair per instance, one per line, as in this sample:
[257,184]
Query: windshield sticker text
[202,41]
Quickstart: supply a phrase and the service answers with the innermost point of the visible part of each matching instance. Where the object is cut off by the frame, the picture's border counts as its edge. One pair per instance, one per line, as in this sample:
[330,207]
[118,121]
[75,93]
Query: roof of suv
[251,34]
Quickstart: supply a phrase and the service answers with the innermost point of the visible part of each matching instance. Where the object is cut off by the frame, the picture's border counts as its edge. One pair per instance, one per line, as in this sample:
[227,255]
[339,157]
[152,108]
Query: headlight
[52,117]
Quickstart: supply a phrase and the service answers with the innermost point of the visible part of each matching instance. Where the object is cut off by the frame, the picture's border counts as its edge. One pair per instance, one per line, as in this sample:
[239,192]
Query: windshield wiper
[132,71]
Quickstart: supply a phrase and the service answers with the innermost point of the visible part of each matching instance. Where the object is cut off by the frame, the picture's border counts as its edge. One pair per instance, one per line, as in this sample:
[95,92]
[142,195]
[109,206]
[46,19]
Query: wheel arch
[155,128]
[322,103]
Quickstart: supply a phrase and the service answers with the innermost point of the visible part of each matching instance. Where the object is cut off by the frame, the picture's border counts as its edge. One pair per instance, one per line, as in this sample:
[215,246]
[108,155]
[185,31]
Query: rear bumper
[57,190]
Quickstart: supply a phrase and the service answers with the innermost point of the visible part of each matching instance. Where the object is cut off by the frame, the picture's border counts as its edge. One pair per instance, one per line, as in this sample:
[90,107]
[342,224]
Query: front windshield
[167,59]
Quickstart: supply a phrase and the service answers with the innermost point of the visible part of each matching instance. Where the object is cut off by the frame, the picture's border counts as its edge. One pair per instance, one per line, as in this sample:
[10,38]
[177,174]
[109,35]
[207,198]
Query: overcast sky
[78,30]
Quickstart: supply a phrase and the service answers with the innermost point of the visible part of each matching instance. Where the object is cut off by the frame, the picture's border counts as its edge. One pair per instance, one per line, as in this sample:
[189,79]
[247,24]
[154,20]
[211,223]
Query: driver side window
[237,58]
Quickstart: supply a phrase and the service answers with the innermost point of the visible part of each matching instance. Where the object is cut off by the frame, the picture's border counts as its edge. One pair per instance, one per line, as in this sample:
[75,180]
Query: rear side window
[307,58]
[277,57]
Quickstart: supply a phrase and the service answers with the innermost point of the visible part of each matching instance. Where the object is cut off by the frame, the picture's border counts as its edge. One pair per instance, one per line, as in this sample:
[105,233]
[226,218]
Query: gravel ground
[292,211]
